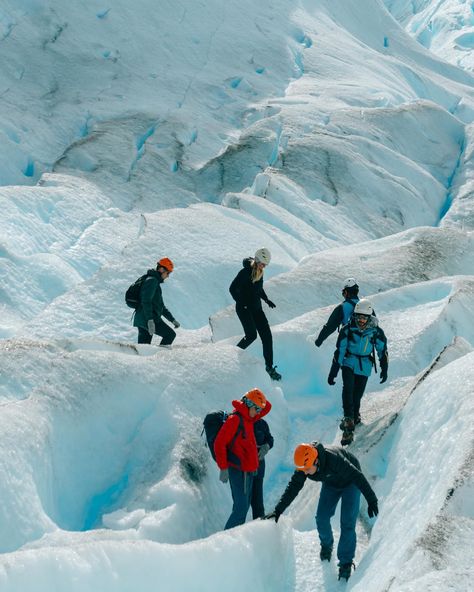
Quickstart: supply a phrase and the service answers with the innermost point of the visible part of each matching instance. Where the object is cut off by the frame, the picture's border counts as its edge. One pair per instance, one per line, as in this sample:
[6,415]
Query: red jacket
[244,454]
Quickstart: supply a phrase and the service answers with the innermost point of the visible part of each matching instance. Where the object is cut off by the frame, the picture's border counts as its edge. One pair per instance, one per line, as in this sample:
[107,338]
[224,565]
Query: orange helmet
[255,397]
[305,456]
[166,263]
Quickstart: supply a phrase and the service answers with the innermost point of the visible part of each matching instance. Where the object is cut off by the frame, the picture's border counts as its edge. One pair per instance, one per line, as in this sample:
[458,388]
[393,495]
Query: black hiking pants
[256,500]
[161,329]
[352,390]
[254,321]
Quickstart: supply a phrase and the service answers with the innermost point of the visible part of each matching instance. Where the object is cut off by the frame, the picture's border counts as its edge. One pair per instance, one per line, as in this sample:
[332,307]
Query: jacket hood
[242,408]
[155,274]
[372,323]
[247,262]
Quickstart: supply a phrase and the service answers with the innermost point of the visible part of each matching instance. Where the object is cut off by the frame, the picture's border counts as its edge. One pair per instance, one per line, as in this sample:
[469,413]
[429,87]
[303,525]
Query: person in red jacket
[236,451]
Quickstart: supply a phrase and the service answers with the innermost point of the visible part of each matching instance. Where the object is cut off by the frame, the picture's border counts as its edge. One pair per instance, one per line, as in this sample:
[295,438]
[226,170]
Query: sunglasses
[251,404]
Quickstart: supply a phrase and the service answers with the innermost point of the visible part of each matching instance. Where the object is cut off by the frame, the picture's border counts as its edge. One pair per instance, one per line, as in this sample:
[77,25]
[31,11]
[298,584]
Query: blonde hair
[257,273]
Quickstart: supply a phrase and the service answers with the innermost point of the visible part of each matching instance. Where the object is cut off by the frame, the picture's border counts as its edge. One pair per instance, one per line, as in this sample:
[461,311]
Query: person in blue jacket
[355,353]
[343,311]
[264,440]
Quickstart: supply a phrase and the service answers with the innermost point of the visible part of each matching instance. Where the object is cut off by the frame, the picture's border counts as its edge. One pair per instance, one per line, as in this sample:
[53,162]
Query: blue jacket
[339,316]
[355,347]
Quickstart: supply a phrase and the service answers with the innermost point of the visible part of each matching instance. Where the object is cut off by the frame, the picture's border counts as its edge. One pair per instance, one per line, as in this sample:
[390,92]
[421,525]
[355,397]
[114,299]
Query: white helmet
[350,283]
[263,256]
[364,307]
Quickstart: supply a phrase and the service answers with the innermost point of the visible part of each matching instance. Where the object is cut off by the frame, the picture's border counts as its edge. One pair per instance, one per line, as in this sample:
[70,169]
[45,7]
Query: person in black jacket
[248,293]
[342,313]
[148,315]
[342,479]
[264,440]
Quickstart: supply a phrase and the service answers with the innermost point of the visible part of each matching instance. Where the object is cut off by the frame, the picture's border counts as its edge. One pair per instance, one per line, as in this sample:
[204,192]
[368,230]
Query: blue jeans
[241,488]
[328,500]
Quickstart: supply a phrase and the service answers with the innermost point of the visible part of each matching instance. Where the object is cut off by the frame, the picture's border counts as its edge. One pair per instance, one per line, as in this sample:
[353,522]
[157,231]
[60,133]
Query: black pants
[352,390]
[256,500]
[161,329]
[254,321]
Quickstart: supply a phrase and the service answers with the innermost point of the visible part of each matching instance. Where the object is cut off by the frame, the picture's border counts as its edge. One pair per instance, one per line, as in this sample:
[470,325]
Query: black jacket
[262,436]
[151,301]
[244,291]
[339,316]
[337,467]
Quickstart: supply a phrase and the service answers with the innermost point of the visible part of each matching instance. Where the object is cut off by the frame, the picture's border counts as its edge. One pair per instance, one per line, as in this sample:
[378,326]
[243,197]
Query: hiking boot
[325,553]
[345,570]
[166,346]
[347,424]
[274,375]
[347,438]
[357,420]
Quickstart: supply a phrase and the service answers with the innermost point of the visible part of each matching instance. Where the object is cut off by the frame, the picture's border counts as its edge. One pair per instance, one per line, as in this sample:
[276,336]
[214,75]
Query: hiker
[248,293]
[342,479]
[238,463]
[264,440]
[151,308]
[355,352]
[342,313]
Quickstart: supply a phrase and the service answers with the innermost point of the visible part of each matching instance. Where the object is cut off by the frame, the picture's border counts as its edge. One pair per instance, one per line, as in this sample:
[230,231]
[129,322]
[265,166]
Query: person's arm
[292,489]
[382,353]
[168,316]
[147,293]
[333,322]
[224,438]
[236,287]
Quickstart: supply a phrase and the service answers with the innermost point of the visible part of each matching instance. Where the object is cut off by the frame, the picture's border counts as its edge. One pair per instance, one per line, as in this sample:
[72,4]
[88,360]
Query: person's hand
[373,509]
[383,375]
[271,304]
[272,516]
[151,327]
[262,451]
[333,373]
[318,342]
[175,324]
[224,475]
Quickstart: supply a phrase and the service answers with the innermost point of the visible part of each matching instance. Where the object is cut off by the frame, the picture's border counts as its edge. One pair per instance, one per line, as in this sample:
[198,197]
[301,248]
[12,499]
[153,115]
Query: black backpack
[212,424]
[132,295]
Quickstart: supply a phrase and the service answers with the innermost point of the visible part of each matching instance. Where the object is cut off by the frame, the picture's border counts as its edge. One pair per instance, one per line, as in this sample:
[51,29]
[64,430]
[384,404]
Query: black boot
[345,570]
[347,427]
[274,375]
[325,553]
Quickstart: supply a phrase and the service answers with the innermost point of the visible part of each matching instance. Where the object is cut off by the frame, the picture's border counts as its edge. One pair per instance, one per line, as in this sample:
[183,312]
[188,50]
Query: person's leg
[360,383]
[166,332]
[258,509]
[328,499]
[349,511]
[241,488]
[248,324]
[348,391]
[143,335]
[263,329]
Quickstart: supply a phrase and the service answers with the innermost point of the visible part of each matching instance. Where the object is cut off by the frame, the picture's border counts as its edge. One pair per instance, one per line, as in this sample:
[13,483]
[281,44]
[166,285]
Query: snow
[337,134]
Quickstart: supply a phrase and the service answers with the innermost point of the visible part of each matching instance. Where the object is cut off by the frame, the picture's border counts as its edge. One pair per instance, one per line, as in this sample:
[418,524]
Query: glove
[373,509]
[272,516]
[224,475]
[333,373]
[175,324]
[271,304]
[318,342]
[151,327]
[383,375]
[262,451]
